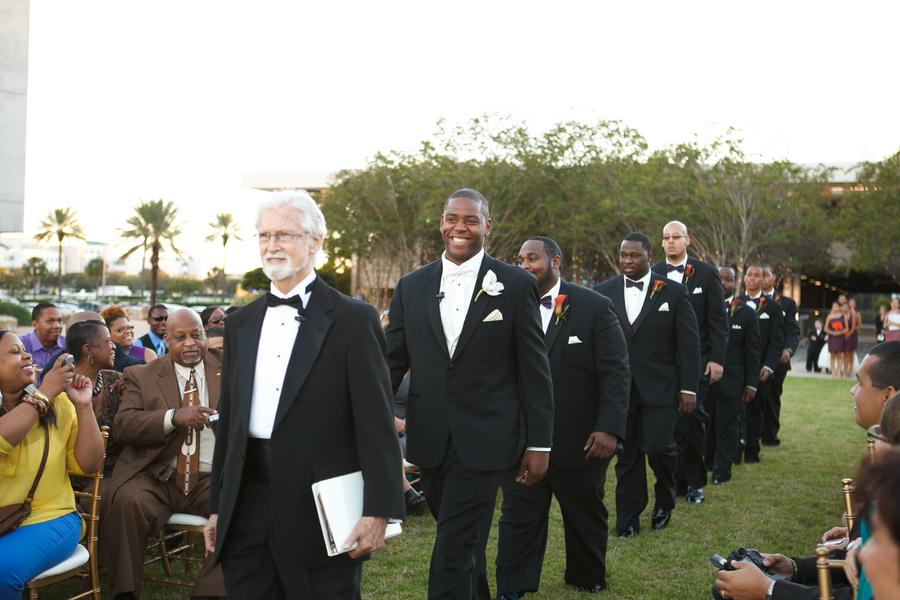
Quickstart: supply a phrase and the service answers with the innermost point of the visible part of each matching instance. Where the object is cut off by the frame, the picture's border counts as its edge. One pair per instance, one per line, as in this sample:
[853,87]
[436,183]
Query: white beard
[284,271]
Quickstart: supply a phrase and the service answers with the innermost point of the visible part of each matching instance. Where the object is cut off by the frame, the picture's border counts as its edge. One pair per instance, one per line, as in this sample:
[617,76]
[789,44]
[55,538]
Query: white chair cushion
[409,465]
[186,519]
[80,557]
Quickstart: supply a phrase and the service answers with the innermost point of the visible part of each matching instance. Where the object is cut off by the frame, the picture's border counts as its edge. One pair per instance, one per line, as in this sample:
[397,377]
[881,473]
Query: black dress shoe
[751,460]
[593,590]
[772,443]
[415,507]
[628,533]
[510,596]
[660,518]
[695,496]
[720,480]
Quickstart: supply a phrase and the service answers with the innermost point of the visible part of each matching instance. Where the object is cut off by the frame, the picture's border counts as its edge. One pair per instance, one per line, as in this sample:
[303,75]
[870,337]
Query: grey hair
[298,200]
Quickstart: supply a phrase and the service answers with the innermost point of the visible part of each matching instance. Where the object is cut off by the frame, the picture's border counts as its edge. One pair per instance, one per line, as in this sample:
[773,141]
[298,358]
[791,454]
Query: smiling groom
[468,330]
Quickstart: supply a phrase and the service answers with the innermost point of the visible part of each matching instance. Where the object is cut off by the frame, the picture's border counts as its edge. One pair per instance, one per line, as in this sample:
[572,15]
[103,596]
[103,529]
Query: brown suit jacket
[151,390]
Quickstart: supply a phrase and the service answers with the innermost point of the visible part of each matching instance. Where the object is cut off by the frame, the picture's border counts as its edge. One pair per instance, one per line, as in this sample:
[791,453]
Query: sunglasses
[217,319]
[874,432]
[158,319]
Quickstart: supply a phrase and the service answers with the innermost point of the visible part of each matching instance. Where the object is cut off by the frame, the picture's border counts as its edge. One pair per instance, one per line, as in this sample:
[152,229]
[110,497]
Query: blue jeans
[30,550]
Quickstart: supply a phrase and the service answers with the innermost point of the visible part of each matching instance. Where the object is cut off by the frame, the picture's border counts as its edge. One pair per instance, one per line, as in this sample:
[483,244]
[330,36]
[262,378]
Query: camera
[740,555]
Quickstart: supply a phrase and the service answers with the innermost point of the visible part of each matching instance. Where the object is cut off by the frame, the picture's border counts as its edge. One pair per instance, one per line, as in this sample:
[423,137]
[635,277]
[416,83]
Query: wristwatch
[34,391]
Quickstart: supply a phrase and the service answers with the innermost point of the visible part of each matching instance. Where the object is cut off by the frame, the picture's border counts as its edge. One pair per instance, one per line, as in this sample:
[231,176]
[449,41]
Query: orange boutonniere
[734,306]
[559,310]
[656,287]
[688,271]
[762,301]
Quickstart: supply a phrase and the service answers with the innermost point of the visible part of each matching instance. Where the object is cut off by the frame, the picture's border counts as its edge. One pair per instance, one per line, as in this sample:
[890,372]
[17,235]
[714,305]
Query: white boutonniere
[490,285]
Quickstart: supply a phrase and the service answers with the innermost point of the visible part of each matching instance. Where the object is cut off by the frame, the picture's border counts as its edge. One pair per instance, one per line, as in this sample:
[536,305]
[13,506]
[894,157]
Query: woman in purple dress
[122,332]
[852,342]
[835,327]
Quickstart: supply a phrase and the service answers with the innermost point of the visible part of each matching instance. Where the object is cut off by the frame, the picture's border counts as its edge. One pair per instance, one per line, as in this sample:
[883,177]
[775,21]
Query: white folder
[339,502]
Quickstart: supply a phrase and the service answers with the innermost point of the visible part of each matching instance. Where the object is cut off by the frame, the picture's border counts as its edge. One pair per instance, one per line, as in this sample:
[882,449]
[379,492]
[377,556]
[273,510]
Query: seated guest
[122,333]
[212,316]
[46,339]
[216,337]
[121,361]
[879,487]
[155,338]
[164,410]
[33,426]
[90,344]
[878,379]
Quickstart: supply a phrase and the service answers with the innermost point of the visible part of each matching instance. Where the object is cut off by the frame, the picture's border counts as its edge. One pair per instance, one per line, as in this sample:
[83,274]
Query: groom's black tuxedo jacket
[742,357]
[771,330]
[707,298]
[791,326]
[334,417]
[498,376]
[664,346]
[591,378]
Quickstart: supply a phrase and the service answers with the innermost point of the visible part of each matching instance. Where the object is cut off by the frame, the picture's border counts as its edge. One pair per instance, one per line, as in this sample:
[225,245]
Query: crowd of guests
[532,391]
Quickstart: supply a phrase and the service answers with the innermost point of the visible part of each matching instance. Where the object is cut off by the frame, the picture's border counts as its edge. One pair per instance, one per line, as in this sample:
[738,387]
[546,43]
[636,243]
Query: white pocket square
[494,316]
[764,316]
[735,326]
[664,307]
[573,339]
[697,290]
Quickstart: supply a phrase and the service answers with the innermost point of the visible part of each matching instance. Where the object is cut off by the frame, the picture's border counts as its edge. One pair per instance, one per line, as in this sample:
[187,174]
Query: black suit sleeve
[776,338]
[791,327]
[752,346]
[611,360]
[687,339]
[535,384]
[716,321]
[398,356]
[223,428]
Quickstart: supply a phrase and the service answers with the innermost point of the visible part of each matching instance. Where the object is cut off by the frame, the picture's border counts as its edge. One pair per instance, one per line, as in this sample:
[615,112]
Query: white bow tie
[453,272]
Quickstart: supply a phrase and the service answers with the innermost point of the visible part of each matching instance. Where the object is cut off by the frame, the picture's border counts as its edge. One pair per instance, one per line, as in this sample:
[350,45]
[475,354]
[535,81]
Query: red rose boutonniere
[688,271]
[656,287]
[559,310]
[734,306]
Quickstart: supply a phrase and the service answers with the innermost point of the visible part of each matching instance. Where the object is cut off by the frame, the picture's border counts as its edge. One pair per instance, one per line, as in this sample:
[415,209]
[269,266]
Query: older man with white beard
[306,396]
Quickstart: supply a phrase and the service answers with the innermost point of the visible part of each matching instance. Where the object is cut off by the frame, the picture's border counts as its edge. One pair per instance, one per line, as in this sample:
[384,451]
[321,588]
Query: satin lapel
[618,299]
[477,310]
[213,382]
[650,303]
[168,385]
[247,347]
[553,329]
[433,305]
[306,348]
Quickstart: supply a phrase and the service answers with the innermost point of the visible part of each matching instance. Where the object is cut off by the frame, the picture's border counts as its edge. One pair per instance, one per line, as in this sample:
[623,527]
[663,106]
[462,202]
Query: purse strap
[37,478]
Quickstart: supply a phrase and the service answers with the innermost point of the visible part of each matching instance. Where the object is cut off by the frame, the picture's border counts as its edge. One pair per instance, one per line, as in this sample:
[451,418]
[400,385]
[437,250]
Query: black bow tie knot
[293,301]
[638,284]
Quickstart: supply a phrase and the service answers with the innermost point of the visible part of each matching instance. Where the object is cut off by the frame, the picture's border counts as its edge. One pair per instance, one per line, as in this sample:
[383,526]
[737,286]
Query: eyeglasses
[158,319]
[122,330]
[874,432]
[282,237]
[217,319]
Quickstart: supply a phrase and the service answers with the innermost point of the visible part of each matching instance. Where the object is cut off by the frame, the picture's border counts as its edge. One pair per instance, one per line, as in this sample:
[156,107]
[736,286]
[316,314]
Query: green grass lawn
[783,504]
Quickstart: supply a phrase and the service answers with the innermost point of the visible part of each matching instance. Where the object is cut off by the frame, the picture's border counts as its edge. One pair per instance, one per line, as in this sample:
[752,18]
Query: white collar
[298,290]
[185,372]
[681,264]
[729,299]
[554,291]
[756,297]
[474,262]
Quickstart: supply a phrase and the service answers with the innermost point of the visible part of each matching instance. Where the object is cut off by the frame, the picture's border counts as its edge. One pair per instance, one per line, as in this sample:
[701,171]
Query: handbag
[12,516]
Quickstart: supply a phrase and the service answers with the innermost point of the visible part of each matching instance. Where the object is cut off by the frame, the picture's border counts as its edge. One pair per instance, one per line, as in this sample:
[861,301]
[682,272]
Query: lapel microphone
[299,318]
[440,296]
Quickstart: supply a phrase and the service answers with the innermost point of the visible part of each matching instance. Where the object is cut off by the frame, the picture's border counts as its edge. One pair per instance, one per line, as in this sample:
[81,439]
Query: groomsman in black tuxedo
[816,339]
[738,384]
[660,329]
[772,418]
[771,334]
[467,327]
[591,382]
[705,292]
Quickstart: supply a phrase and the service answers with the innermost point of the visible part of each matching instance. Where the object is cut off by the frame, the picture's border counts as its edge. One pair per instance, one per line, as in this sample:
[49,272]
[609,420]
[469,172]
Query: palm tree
[138,229]
[224,227]
[158,219]
[60,222]
[35,269]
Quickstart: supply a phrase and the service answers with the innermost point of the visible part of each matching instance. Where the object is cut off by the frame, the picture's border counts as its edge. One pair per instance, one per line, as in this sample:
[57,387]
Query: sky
[175,100]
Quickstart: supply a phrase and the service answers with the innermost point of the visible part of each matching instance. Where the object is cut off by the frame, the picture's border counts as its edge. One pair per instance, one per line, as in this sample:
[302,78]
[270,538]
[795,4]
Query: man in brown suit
[145,488]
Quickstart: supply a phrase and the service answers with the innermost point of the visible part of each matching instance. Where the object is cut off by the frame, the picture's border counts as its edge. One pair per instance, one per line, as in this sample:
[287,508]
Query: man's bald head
[675,241]
[186,337]
[675,226]
[83,316]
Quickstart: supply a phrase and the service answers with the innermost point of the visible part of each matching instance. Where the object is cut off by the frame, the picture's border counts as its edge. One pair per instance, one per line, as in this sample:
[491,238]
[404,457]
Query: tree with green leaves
[215,279]
[183,287]
[94,270]
[14,282]
[138,229]
[35,269]
[62,224]
[227,228]
[154,224]
[255,279]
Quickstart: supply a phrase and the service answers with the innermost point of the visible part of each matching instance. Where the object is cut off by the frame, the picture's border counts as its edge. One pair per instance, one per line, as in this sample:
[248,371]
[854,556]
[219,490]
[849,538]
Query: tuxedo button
[449,398]
[242,456]
[452,366]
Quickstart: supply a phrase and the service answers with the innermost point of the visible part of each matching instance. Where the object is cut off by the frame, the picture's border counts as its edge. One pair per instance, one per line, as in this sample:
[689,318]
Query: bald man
[708,300]
[159,416]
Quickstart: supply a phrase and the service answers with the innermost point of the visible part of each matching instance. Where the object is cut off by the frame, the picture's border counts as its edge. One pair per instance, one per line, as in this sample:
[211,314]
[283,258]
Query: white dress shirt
[276,342]
[547,313]
[634,297]
[207,437]
[675,275]
[457,285]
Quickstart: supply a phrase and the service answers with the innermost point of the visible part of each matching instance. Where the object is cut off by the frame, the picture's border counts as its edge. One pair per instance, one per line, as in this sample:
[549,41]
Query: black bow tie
[638,284]
[294,301]
[670,268]
[547,302]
